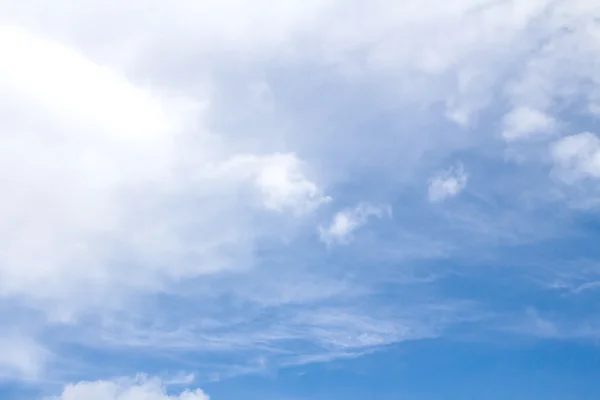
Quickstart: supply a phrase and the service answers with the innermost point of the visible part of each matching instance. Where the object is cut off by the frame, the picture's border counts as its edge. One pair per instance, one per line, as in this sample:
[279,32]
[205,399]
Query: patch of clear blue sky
[442,369]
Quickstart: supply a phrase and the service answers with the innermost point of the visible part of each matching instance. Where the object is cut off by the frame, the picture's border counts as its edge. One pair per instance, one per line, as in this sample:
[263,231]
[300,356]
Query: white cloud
[91,163]
[283,185]
[447,184]
[21,357]
[279,179]
[577,156]
[560,72]
[140,388]
[523,122]
[347,221]
[77,138]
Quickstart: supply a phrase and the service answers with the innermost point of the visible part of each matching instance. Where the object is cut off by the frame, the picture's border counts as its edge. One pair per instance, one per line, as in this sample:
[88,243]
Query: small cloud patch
[447,184]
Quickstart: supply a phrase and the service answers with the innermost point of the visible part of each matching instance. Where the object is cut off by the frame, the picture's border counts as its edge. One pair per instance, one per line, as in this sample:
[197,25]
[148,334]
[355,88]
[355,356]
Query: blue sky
[297,200]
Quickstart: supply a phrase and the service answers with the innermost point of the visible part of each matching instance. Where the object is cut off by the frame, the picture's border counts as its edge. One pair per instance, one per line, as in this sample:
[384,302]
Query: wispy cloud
[577,156]
[347,221]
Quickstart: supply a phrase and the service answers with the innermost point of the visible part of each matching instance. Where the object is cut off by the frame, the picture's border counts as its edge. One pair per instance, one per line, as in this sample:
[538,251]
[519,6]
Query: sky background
[297,200]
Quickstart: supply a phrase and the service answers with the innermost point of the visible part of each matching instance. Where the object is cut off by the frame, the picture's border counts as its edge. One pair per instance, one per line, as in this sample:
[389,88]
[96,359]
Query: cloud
[349,330]
[139,388]
[21,357]
[280,180]
[524,122]
[93,165]
[537,323]
[283,185]
[447,184]
[347,221]
[557,73]
[144,188]
[577,156]
[77,138]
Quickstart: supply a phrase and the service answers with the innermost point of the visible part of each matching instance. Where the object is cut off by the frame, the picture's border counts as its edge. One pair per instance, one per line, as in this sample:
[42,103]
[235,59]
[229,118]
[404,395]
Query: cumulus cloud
[279,179]
[91,162]
[139,388]
[346,222]
[76,137]
[523,122]
[283,185]
[447,184]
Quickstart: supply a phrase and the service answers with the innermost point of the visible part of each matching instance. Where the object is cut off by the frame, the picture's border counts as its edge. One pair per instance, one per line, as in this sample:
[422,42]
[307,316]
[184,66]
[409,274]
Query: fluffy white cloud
[577,156]
[279,179]
[347,221]
[284,186]
[523,122]
[92,164]
[140,388]
[77,139]
[447,184]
